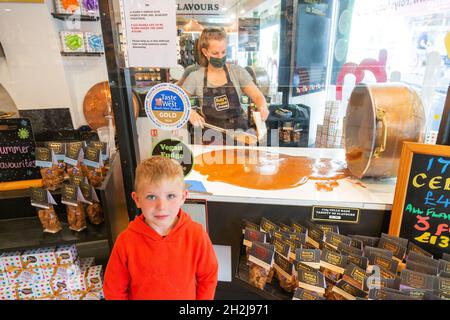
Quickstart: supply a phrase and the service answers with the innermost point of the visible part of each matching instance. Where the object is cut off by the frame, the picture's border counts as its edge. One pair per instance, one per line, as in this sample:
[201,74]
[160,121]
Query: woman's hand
[264,113]
[195,119]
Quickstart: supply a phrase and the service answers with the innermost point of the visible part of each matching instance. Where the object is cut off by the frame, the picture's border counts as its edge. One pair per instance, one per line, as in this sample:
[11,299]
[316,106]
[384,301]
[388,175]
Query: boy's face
[160,203]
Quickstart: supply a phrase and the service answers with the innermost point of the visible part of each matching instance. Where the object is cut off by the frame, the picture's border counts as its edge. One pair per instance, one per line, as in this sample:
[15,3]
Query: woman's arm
[252,91]
[189,86]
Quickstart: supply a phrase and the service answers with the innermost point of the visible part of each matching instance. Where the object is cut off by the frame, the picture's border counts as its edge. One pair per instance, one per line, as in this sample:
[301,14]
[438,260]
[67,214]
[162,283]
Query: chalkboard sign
[421,209]
[17,147]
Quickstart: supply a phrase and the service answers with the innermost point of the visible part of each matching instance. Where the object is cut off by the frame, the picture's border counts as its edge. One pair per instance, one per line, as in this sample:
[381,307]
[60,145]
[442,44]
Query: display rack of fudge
[309,261]
[74,170]
[51,273]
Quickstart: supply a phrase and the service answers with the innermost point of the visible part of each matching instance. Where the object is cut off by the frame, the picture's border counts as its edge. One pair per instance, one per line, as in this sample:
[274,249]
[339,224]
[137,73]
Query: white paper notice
[151,33]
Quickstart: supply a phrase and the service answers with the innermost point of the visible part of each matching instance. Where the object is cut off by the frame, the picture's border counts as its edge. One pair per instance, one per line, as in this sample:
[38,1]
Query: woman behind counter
[221,86]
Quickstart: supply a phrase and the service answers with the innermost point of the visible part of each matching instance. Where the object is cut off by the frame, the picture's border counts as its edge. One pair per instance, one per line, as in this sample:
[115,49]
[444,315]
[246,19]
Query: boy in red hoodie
[162,254]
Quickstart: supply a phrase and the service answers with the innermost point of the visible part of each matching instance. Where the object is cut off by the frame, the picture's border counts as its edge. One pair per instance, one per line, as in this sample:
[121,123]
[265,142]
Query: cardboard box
[93,42]
[89,8]
[74,7]
[72,41]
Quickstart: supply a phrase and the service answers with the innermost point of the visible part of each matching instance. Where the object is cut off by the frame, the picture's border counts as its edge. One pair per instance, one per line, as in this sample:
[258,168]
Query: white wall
[81,72]
[316,101]
[35,74]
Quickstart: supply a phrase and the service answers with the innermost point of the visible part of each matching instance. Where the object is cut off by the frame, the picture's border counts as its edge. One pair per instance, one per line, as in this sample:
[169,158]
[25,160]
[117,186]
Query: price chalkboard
[421,209]
[17,147]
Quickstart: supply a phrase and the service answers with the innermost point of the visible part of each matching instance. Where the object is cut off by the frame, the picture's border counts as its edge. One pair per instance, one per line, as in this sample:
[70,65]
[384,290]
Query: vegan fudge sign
[17,147]
[421,209]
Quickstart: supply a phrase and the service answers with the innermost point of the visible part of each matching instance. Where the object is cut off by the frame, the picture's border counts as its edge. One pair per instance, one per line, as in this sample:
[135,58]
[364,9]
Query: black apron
[221,106]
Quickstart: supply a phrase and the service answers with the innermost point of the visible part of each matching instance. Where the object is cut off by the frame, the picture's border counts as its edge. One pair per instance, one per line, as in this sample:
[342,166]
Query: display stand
[75,17]
[20,228]
[271,291]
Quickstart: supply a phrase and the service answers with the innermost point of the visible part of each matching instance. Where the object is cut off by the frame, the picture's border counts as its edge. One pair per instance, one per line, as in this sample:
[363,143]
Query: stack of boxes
[53,273]
[330,134]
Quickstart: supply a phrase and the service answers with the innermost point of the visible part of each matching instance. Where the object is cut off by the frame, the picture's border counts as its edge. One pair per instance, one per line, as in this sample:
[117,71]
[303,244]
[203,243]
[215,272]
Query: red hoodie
[146,266]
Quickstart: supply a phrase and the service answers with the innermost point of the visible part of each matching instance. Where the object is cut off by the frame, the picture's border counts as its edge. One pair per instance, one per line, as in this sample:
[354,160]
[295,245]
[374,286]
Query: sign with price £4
[421,209]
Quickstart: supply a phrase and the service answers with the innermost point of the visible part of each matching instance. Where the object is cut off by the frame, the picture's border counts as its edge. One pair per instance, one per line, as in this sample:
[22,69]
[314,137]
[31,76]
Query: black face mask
[217,62]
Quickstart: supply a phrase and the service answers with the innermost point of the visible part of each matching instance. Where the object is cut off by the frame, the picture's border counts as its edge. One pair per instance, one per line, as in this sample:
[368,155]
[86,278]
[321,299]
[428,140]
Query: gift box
[93,295]
[67,254]
[25,291]
[42,290]
[8,292]
[85,263]
[94,277]
[30,275]
[72,41]
[93,42]
[40,257]
[89,7]
[76,283]
[68,6]
[3,278]
[60,289]
[12,264]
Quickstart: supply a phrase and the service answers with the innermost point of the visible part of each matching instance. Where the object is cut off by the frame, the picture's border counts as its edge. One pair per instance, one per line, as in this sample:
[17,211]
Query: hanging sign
[151,33]
[167,106]
[421,209]
[200,7]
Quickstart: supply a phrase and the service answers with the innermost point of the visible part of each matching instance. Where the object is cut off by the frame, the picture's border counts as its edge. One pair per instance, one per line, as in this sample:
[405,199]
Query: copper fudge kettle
[379,118]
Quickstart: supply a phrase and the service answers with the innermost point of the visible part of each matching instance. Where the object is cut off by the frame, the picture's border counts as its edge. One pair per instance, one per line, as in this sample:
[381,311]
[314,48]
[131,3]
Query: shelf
[26,233]
[276,119]
[271,291]
[66,16]
[81,54]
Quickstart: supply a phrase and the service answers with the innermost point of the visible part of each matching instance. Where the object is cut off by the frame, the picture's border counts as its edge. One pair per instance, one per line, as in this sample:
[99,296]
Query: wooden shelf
[27,233]
[66,16]
[82,54]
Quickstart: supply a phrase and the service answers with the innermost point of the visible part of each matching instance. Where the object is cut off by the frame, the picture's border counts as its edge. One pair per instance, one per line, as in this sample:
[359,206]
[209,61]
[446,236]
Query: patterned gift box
[3,278]
[72,41]
[67,254]
[25,291]
[94,277]
[39,257]
[76,283]
[93,295]
[85,263]
[68,6]
[93,42]
[29,276]
[42,290]
[89,7]
[12,264]
[60,289]
[8,293]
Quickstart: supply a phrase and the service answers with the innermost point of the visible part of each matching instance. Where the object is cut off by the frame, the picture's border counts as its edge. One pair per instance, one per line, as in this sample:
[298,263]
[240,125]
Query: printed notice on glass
[151,33]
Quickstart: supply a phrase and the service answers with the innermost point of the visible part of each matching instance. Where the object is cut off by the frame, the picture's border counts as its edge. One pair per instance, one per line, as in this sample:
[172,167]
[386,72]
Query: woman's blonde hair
[203,42]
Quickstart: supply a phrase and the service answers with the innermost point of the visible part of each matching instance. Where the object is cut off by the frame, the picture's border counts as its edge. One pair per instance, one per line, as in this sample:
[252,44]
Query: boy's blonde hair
[156,169]
[203,42]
